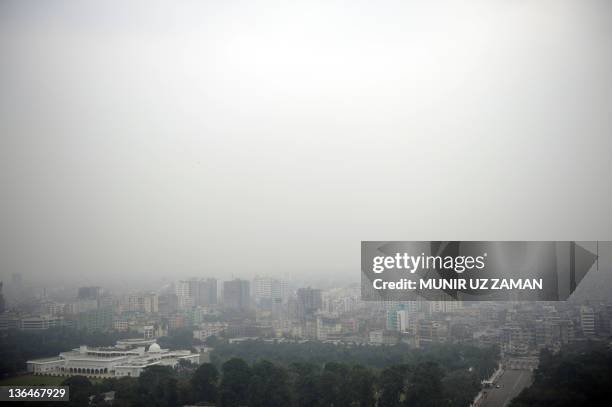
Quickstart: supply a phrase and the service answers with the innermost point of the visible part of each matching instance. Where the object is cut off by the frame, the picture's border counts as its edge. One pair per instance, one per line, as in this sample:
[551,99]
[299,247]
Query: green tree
[79,388]
[579,375]
[125,390]
[234,388]
[305,384]
[157,387]
[334,385]
[204,382]
[460,388]
[185,391]
[391,385]
[424,388]
[361,387]
[269,386]
[181,338]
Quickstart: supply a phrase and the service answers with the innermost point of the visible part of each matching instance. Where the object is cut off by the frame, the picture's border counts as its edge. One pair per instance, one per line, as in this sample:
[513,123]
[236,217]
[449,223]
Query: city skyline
[320,203]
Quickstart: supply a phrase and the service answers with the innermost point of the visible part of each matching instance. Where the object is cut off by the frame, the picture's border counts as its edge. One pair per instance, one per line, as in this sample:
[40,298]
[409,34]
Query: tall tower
[236,295]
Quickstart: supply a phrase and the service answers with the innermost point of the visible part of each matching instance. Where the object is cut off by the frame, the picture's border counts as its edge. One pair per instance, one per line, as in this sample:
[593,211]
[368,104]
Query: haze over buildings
[201,139]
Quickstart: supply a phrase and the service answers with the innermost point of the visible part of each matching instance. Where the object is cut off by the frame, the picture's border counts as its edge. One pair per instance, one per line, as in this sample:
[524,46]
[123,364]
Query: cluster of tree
[181,338]
[266,384]
[16,347]
[483,361]
[579,375]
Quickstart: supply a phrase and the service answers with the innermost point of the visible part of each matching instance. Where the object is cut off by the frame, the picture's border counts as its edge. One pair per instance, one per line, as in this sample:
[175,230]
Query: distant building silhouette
[2,302]
[236,295]
[309,301]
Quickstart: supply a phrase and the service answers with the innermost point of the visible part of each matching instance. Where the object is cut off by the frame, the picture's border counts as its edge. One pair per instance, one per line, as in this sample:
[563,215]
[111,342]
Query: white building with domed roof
[116,361]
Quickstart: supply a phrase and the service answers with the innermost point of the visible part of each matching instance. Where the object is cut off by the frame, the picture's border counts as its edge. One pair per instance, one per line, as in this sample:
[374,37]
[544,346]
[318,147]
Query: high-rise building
[262,288]
[309,301]
[168,303]
[184,291]
[401,313]
[2,303]
[236,295]
[403,321]
[444,306]
[272,289]
[38,323]
[151,303]
[147,302]
[206,293]
[196,293]
[392,319]
[431,332]
[587,320]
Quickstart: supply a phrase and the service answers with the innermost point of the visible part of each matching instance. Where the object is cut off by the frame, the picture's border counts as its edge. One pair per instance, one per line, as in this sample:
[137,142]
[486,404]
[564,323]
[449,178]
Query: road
[511,382]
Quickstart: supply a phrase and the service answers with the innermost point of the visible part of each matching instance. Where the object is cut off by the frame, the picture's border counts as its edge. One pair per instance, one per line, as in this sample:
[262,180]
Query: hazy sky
[244,137]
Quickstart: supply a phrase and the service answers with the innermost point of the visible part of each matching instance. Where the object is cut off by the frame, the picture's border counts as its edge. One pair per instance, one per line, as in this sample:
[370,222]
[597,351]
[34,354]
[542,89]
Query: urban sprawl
[275,309]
